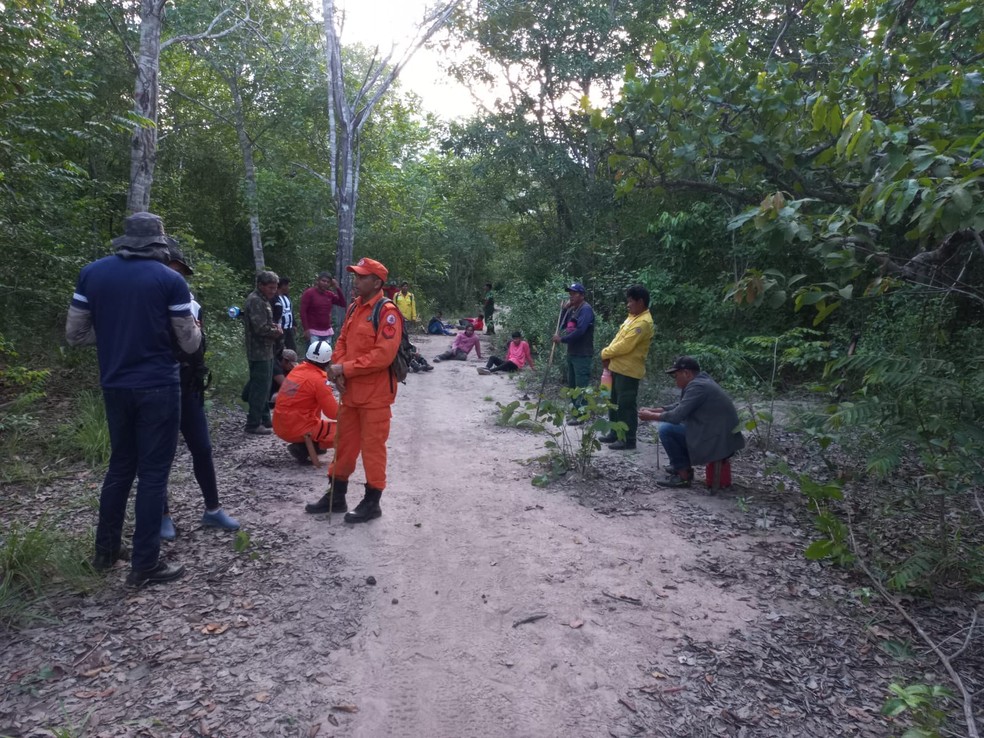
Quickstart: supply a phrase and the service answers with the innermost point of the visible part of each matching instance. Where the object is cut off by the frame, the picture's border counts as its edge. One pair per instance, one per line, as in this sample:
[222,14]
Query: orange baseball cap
[369,266]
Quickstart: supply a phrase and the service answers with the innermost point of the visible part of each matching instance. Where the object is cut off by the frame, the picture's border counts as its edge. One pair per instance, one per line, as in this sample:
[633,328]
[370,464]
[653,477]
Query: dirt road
[498,609]
[466,549]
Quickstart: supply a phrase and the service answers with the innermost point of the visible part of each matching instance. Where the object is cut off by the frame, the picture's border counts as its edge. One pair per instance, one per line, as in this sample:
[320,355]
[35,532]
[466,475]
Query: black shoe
[368,509]
[335,503]
[299,452]
[104,562]
[609,437]
[428,368]
[268,423]
[622,445]
[258,430]
[674,481]
[161,573]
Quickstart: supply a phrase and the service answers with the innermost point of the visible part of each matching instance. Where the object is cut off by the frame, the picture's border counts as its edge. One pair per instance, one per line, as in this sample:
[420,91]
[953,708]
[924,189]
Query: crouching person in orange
[302,400]
[361,370]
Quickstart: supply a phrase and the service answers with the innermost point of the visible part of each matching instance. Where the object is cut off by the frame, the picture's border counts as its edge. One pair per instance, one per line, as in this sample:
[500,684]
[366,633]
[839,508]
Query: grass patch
[37,565]
[87,436]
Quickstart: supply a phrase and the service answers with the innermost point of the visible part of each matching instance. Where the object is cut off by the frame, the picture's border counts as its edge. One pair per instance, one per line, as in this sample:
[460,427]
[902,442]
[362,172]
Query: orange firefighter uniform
[301,401]
[370,389]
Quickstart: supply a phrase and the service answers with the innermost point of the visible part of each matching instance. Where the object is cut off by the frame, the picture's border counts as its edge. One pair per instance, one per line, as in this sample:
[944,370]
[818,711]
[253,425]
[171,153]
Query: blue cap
[576,287]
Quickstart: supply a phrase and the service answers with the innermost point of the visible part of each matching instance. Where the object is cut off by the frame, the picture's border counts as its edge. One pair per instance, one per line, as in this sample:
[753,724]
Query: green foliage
[37,564]
[86,435]
[511,416]
[923,704]
[571,448]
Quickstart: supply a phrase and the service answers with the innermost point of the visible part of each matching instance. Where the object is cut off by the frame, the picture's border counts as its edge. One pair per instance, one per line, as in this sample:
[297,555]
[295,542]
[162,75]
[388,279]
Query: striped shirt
[287,319]
[131,303]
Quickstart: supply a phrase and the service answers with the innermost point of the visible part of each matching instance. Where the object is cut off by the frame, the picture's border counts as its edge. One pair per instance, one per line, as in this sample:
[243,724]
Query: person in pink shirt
[316,305]
[517,356]
[463,344]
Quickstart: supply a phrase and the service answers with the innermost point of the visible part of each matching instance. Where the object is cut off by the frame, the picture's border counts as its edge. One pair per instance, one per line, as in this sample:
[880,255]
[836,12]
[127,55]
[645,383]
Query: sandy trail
[465,548]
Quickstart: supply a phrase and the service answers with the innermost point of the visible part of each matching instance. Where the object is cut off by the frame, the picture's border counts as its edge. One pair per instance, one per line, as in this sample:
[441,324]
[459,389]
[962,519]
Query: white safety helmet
[319,352]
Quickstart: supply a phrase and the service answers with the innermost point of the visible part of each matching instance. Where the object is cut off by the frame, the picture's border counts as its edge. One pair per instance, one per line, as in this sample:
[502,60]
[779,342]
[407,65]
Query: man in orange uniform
[302,400]
[361,370]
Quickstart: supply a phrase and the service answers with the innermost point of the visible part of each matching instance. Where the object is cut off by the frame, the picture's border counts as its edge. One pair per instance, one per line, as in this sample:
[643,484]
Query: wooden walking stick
[553,347]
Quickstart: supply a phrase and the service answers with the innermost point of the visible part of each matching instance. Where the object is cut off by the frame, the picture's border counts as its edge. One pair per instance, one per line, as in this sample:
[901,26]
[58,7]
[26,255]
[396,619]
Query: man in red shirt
[316,305]
[304,401]
[361,370]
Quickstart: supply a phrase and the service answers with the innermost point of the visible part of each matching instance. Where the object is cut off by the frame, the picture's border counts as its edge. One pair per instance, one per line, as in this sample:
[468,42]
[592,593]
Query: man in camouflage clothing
[262,335]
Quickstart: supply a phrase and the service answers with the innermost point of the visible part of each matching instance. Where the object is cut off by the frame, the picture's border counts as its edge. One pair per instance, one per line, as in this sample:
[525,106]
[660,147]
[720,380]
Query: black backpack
[400,367]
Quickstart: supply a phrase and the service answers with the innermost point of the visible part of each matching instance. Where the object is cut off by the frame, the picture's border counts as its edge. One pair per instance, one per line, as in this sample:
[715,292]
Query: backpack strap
[377,310]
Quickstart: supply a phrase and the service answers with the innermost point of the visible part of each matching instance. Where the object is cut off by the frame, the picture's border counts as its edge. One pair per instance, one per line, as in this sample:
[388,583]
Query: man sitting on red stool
[304,398]
[699,429]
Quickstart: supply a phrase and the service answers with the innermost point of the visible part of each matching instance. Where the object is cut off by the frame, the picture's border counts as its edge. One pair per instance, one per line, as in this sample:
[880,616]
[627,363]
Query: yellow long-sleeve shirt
[627,351]
[407,305]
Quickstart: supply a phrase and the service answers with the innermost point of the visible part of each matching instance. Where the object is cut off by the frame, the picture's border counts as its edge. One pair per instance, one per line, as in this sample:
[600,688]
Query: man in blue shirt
[130,305]
[576,331]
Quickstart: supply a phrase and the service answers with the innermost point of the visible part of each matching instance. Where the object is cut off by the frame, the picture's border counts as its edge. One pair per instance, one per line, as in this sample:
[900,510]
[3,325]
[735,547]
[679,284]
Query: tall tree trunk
[246,147]
[143,148]
[143,155]
[345,121]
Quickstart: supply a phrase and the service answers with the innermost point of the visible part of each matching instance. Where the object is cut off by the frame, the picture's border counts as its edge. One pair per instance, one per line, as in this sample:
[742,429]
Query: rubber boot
[368,509]
[335,504]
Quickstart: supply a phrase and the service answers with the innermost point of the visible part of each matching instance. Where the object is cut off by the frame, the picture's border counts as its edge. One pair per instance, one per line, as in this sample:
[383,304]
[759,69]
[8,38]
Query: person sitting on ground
[418,363]
[282,366]
[699,429]
[477,323]
[437,327]
[463,344]
[306,405]
[517,356]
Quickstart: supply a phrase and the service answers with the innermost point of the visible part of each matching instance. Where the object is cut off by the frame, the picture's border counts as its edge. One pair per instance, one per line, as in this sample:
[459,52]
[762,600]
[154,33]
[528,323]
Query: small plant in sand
[574,426]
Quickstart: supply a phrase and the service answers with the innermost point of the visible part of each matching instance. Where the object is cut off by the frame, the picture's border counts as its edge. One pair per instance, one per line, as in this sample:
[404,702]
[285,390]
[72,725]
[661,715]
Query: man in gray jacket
[699,429]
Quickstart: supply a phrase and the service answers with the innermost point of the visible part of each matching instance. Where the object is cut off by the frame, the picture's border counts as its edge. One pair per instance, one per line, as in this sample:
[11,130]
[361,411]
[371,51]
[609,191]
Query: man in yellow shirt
[625,358]
[405,300]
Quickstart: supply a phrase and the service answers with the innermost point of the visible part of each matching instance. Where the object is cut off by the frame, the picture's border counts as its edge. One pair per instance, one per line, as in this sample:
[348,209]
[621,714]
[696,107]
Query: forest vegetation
[798,184]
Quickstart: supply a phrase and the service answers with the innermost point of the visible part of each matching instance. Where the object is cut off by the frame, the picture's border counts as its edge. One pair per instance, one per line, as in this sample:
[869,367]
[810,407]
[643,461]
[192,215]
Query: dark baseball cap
[686,363]
[576,287]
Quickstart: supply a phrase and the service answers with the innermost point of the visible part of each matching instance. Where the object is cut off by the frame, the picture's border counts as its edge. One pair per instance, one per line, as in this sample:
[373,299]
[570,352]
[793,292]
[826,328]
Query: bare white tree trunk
[143,151]
[347,116]
[246,147]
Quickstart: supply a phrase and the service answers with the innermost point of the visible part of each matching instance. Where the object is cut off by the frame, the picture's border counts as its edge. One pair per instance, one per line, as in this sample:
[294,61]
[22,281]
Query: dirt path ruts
[466,547]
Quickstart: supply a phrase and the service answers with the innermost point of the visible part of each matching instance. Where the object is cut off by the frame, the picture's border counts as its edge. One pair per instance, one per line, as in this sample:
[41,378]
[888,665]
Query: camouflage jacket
[261,336]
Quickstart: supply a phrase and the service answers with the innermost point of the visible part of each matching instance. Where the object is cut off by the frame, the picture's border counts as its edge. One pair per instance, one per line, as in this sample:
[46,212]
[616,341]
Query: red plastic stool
[718,474]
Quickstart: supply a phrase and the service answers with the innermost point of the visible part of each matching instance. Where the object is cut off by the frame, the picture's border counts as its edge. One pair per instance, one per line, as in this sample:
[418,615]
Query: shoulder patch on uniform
[638,330]
[391,319]
[388,331]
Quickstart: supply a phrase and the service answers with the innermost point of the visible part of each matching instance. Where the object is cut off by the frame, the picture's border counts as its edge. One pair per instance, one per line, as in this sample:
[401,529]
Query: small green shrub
[571,448]
[38,563]
[87,435]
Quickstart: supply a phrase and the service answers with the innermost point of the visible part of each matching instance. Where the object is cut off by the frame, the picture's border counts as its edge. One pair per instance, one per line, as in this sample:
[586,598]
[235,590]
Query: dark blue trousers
[194,429]
[143,432]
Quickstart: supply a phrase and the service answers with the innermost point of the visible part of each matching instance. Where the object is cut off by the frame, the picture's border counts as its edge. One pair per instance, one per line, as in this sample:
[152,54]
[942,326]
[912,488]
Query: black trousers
[625,394]
[496,364]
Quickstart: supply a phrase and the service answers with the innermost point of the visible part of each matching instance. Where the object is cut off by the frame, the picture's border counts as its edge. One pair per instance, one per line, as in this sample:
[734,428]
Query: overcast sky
[383,22]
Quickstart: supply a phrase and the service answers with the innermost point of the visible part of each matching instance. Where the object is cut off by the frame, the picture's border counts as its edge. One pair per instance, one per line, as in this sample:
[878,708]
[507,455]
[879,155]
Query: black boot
[326,504]
[299,452]
[368,509]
